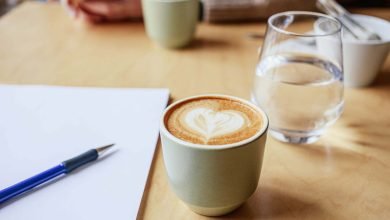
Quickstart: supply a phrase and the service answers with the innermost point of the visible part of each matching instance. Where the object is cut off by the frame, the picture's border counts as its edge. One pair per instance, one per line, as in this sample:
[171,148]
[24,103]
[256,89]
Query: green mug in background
[171,23]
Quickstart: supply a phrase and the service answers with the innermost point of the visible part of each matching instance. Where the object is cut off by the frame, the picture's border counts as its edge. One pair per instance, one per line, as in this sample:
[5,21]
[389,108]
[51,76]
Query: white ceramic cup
[213,179]
[362,60]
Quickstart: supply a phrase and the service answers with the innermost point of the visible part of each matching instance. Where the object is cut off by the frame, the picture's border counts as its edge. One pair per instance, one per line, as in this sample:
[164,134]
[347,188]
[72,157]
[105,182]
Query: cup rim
[370,42]
[257,135]
[273,17]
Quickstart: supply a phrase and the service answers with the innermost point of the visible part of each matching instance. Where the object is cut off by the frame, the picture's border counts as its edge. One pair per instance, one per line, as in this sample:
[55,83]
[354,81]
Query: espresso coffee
[213,121]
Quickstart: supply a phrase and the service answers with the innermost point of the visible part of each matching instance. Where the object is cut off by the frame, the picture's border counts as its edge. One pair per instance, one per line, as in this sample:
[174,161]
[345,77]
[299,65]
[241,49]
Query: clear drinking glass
[299,76]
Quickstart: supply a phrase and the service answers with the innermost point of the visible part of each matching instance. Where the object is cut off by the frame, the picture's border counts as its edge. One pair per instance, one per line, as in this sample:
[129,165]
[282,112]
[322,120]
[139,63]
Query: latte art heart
[212,120]
[210,123]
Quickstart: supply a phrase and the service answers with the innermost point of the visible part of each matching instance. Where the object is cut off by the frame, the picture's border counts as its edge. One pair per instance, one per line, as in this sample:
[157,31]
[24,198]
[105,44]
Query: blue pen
[63,168]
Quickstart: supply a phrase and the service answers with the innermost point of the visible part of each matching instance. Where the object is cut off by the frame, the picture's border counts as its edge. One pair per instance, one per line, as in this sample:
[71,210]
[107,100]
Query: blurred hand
[103,10]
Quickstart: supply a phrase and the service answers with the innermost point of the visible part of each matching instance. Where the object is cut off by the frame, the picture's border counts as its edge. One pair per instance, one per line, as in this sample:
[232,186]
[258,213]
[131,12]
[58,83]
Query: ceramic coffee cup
[171,23]
[362,59]
[213,180]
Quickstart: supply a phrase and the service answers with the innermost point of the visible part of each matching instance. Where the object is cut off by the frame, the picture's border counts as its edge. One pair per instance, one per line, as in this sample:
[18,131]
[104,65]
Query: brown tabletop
[346,175]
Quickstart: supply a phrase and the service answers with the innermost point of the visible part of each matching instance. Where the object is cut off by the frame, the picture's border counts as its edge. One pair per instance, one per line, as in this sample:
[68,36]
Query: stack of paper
[41,126]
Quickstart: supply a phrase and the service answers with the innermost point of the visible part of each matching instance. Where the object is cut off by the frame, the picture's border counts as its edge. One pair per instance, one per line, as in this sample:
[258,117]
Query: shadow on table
[199,43]
[382,80]
[383,77]
[370,135]
[141,210]
[365,123]
[271,203]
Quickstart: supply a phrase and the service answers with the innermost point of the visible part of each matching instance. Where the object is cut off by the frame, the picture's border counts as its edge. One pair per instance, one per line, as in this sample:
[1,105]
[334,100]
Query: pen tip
[103,149]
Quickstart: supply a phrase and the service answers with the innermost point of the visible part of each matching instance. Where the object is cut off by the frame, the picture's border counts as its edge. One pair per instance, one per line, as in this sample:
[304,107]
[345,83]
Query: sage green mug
[171,23]
[213,180]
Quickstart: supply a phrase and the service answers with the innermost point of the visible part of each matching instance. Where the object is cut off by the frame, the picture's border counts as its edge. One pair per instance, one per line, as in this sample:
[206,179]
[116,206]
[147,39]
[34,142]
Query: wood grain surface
[346,175]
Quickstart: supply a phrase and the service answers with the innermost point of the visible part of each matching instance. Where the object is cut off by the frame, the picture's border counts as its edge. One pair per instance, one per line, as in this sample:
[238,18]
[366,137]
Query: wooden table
[346,175]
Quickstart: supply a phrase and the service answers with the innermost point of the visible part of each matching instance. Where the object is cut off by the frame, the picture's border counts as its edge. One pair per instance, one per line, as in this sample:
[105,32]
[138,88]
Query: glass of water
[299,76]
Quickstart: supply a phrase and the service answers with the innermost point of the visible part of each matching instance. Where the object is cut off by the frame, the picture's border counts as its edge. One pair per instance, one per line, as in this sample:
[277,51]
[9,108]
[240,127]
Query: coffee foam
[213,121]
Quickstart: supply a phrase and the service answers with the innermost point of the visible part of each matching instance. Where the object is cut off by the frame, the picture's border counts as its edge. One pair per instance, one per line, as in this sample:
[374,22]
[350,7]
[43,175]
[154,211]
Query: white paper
[41,126]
